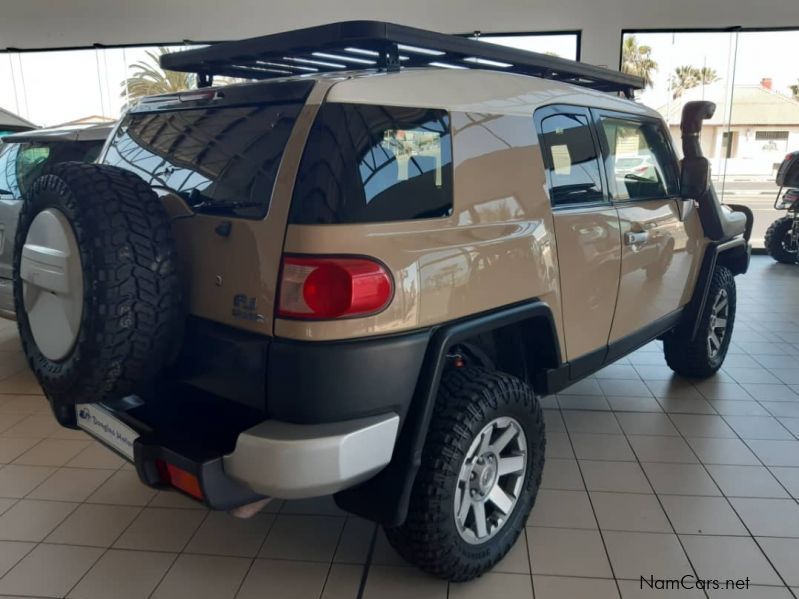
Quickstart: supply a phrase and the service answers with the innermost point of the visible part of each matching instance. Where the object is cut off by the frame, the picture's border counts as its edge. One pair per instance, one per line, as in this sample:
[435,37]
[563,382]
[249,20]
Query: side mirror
[694,178]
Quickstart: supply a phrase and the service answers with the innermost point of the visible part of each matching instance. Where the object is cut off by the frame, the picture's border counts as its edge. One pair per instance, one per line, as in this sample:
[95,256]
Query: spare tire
[96,290]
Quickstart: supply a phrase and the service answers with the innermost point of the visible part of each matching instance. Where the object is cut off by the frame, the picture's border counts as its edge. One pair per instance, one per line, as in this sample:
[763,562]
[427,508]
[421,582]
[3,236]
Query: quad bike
[782,237]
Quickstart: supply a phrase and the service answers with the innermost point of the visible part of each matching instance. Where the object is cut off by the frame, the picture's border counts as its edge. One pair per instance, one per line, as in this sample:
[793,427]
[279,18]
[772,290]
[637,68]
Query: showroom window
[571,160]
[563,45]
[754,83]
[109,79]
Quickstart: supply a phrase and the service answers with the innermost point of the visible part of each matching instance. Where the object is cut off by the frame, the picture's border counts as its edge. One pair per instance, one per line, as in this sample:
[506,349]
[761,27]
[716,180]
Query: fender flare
[386,497]
[735,255]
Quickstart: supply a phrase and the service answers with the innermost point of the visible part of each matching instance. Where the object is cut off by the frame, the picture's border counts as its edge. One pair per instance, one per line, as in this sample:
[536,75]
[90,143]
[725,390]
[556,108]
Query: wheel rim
[719,315]
[490,480]
[52,283]
[789,242]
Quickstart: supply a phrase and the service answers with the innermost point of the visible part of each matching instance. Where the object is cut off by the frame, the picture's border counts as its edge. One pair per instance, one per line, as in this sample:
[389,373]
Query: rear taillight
[322,288]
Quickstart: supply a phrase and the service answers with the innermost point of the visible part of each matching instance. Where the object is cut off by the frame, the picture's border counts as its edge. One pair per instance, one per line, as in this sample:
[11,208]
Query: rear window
[223,159]
[365,163]
[22,163]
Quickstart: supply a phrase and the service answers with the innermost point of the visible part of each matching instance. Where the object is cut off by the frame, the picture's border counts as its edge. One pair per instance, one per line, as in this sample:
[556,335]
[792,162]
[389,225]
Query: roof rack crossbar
[385,46]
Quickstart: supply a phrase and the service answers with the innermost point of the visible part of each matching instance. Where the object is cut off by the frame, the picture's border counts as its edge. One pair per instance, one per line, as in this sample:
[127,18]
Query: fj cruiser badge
[246,308]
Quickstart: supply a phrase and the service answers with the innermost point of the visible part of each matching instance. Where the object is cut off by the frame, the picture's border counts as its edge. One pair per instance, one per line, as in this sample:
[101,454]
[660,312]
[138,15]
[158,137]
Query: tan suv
[359,282]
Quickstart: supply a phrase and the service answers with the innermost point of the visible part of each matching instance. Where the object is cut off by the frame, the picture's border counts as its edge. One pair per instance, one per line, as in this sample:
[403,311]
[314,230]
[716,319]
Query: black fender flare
[735,255]
[385,498]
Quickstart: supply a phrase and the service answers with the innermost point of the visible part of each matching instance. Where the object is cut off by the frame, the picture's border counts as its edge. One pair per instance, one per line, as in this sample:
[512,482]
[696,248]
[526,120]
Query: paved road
[762,206]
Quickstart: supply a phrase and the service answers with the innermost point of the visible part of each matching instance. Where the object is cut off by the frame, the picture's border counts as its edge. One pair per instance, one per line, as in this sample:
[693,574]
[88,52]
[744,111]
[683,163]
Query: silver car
[23,156]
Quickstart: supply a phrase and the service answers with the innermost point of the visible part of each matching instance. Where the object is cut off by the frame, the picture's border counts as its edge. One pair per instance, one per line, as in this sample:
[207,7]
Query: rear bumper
[279,459]
[292,461]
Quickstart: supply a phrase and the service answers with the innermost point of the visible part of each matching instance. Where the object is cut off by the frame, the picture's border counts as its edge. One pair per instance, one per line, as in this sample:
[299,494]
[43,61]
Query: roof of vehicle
[386,46]
[61,134]
[13,122]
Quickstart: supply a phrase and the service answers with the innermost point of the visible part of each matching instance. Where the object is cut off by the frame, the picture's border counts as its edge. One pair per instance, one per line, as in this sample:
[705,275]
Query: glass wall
[63,86]
[753,80]
[564,45]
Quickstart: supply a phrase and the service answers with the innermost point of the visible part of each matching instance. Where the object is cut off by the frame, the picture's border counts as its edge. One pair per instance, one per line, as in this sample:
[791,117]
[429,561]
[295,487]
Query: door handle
[631,238]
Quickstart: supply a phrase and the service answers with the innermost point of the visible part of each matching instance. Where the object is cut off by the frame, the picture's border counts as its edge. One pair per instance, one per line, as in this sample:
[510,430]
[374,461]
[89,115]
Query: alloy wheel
[491,479]
[719,315]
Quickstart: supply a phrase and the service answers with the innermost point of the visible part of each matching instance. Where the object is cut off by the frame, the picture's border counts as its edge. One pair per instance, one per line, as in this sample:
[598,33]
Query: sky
[758,55]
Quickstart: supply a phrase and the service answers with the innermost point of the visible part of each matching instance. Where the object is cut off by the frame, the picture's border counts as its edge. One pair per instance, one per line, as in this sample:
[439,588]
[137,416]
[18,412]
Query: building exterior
[753,127]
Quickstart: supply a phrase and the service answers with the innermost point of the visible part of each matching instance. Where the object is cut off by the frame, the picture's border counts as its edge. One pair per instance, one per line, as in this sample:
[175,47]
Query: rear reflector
[316,288]
[179,478]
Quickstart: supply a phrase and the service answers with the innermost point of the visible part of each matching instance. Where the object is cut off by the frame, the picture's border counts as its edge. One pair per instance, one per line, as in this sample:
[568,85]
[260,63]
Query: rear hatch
[215,156]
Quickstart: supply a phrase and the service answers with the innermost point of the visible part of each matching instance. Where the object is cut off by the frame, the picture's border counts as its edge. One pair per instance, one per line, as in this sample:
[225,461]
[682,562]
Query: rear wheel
[480,473]
[780,242]
[703,355]
[96,292]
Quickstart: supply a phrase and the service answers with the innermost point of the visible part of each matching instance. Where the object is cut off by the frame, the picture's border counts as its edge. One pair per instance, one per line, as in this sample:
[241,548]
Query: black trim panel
[557,379]
[314,382]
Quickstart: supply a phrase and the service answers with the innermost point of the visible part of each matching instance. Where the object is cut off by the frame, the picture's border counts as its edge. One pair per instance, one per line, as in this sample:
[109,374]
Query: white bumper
[293,461]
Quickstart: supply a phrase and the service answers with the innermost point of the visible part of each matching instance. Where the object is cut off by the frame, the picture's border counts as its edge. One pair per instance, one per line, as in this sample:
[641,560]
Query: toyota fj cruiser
[360,282]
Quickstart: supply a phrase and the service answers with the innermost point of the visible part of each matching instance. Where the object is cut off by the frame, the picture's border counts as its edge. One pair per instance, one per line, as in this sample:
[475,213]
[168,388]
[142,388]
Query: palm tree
[686,77]
[148,78]
[637,60]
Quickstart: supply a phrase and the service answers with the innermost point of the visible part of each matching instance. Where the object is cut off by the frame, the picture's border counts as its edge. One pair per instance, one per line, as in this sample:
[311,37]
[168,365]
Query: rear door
[586,230]
[657,245]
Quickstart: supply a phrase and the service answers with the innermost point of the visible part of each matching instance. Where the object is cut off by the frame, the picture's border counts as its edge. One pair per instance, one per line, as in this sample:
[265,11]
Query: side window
[641,162]
[570,157]
[30,163]
[366,163]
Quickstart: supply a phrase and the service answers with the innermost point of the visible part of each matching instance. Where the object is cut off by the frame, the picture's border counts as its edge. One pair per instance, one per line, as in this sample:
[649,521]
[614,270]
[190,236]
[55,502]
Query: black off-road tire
[131,292]
[469,398]
[692,358]
[775,236]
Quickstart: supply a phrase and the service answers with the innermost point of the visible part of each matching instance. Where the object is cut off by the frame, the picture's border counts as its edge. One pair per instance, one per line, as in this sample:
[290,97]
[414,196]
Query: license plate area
[101,424]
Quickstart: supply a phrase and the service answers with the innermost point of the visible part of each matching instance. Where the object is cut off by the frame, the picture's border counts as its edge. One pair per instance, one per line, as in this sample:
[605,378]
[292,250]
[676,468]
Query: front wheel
[702,355]
[779,241]
[479,477]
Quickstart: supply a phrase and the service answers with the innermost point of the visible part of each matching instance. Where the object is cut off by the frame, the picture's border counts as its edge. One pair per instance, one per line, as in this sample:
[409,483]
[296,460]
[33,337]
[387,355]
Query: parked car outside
[23,157]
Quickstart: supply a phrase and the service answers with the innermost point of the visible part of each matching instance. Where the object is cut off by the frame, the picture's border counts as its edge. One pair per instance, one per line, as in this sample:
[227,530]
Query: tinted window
[226,157]
[571,160]
[374,163]
[22,163]
[9,186]
[641,161]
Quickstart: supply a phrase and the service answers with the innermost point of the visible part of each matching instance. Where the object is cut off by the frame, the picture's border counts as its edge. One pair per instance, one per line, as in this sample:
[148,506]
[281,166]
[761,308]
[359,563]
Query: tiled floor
[646,474]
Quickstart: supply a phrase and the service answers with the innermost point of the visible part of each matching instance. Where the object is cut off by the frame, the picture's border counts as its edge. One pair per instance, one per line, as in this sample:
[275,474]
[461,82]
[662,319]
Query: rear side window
[365,163]
[9,182]
[641,160]
[222,159]
[570,157]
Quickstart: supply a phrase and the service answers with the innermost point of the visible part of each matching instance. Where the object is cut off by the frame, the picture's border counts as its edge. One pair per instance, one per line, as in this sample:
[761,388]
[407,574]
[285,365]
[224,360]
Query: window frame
[571,109]
[607,158]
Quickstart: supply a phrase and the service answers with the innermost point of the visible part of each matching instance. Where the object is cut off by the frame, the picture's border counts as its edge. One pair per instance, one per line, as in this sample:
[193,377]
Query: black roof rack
[374,44]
